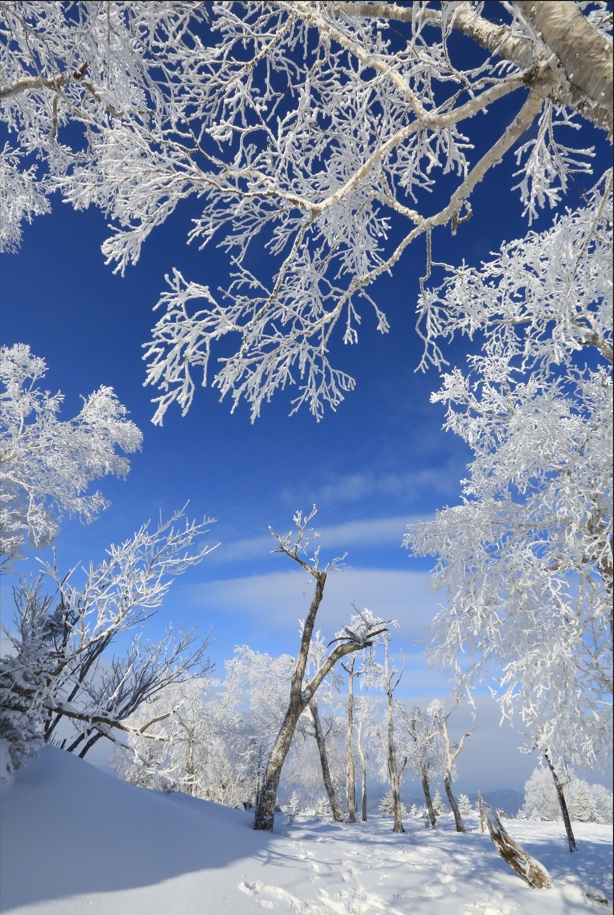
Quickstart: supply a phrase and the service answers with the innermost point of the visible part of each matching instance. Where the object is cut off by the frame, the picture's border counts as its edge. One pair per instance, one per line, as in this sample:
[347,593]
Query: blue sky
[378,462]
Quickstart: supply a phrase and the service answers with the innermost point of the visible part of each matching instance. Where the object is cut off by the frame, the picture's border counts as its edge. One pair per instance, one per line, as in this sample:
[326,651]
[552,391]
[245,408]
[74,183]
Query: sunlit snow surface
[75,840]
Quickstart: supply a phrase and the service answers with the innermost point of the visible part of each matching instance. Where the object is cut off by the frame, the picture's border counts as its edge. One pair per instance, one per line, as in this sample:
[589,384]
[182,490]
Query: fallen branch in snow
[527,867]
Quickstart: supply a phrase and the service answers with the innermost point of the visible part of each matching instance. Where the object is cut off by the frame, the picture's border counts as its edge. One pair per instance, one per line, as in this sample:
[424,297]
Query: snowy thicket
[61,669]
[207,749]
[47,464]
[421,746]
[217,742]
[308,128]
[526,559]
[586,803]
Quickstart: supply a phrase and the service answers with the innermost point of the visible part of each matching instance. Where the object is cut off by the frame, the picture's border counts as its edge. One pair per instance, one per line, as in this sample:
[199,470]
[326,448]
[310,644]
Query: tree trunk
[527,867]
[302,693]
[571,839]
[427,797]
[335,803]
[481,812]
[363,766]
[190,762]
[447,783]
[350,782]
[584,53]
[449,766]
[265,811]
[392,767]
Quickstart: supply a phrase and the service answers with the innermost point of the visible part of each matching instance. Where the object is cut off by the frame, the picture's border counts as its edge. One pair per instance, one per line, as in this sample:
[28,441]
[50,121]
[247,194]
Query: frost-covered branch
[306,133]
[46,464]
[59,670]
[526,558]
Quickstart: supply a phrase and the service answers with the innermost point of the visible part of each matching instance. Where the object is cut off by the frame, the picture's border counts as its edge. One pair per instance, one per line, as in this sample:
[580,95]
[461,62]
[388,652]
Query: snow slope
[76,840]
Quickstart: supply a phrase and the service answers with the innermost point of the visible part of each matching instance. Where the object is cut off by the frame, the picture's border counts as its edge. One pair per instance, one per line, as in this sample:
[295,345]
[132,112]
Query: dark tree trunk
[427,797]
[300,697]
[88,746]
[363,765]
[265,811]
[335,803]
[571,839]
[350,770]
[447,783]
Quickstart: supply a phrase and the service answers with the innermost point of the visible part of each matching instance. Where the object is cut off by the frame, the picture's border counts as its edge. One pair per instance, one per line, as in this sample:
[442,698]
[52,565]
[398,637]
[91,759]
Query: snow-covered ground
[76,840]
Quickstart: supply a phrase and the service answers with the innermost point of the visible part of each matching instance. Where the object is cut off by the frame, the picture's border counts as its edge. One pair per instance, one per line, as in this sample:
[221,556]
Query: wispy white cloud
[375,532]
[280,599]
[441,482]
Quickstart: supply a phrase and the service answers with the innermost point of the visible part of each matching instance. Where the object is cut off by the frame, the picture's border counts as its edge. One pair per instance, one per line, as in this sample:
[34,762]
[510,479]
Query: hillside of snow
[76,840]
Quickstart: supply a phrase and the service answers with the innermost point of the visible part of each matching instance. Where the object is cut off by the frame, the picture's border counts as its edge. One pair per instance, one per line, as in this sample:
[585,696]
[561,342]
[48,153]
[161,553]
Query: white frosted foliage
[46,464]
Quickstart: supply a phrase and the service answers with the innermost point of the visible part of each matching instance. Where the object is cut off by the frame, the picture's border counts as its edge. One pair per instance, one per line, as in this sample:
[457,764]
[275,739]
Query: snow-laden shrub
[27,680]
[322,807]
[386,806]
[439,805]
[586,803]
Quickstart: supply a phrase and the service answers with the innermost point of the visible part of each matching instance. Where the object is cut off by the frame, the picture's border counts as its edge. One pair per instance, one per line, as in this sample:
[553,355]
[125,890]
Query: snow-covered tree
[292,808]
[439,806]
[393,758]
[464,805]
[583,809]
[57,670]
[586,803]
[526,559]
[368,672]
[349,752]
[364,708]
[421,744]
[47,464]
[305,128]
[603,800]
[450,753]
[210,746]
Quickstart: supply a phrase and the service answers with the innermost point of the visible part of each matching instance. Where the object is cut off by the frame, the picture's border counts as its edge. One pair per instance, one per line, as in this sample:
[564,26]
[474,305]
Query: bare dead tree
[451,752]
[363,633]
